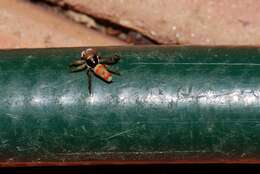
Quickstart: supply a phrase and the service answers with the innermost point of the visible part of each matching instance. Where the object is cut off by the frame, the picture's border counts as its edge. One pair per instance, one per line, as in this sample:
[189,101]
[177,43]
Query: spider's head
[90,56]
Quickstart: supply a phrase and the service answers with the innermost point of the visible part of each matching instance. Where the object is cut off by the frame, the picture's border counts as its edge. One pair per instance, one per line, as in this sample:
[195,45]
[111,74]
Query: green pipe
[176,104]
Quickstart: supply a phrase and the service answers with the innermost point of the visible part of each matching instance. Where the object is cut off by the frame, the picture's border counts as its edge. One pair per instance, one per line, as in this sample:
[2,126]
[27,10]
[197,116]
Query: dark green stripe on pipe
[178,104]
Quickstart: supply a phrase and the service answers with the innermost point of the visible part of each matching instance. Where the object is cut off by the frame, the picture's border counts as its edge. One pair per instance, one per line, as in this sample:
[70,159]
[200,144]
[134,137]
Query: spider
[91,62]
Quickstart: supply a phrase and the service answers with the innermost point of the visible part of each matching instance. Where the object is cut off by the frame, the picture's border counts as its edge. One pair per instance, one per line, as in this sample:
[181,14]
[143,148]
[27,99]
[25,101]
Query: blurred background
[71,23]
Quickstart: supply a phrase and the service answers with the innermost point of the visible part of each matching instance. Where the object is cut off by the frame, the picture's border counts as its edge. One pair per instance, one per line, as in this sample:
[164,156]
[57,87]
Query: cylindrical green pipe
[177,104]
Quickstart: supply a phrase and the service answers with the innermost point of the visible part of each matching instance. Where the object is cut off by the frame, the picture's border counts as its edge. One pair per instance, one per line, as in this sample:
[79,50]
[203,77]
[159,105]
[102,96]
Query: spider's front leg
[77,65]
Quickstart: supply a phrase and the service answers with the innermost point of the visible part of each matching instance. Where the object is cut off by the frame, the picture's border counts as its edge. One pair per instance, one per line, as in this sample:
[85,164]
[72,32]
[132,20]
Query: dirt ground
[214,22]
[26,24]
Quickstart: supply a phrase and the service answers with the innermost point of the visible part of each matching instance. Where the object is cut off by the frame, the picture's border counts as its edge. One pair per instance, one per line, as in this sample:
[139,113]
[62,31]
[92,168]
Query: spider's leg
[78,68]
[109,60]
[113,71]
[77,63]
[89,81]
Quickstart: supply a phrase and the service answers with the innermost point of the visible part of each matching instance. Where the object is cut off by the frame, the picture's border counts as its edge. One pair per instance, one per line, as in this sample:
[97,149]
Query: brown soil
[210,22]
[24,25]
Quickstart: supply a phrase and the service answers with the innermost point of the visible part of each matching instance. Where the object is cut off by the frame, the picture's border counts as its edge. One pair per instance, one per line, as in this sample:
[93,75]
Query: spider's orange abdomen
[101,71]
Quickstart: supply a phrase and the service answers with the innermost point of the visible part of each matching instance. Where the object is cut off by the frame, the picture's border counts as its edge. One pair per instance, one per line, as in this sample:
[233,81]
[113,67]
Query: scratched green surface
[171,103]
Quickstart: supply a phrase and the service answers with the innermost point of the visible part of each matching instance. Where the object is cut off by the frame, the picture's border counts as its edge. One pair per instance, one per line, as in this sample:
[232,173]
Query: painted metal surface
[173,104]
